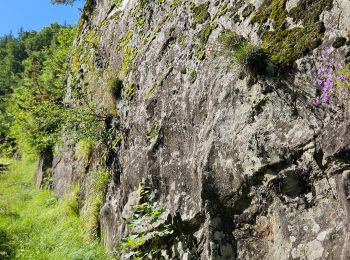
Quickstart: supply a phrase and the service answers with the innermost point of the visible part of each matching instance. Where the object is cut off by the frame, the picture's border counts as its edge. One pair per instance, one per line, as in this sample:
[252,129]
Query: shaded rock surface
[245,166]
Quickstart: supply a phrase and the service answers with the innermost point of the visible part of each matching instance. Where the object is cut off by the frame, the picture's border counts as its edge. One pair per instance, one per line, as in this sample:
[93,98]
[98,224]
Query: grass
[95,198]
[35,225]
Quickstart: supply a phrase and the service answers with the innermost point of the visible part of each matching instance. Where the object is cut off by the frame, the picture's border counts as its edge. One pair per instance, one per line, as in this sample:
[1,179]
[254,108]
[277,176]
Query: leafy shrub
[146,216]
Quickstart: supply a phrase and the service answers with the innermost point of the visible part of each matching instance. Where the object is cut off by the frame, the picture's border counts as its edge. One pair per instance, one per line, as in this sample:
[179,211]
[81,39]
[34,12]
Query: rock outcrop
[244,164]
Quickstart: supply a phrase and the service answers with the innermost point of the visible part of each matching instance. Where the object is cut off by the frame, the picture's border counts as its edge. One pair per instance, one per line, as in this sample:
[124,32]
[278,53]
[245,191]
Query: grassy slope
[34,225]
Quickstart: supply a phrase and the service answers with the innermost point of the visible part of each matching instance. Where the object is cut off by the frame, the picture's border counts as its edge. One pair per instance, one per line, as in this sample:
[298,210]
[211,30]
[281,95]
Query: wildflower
[320,72]
[341,78]
[317,101]
[325,98]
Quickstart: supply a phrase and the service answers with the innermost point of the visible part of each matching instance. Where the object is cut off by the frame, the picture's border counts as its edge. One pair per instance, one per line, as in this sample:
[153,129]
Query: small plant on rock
[146,226]
[332,77]
[242,52]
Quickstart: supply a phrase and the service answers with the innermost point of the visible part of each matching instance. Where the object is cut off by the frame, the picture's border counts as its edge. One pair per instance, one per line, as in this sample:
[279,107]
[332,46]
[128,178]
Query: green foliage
[146,216]
[223,9]
[229,39]
[117,3]
[129,91]
[35,225]
[182,40]
[93,203]
[34,114]
[242,52]
[83,149]
[33,96]
[66,2]
[117,140]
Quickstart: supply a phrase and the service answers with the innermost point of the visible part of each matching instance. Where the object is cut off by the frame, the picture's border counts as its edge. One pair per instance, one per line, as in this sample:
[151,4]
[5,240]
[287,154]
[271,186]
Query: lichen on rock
[244,164]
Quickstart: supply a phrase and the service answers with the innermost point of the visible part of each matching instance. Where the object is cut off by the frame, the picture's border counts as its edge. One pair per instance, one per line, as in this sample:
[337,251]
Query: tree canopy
[33,68]
[66,2]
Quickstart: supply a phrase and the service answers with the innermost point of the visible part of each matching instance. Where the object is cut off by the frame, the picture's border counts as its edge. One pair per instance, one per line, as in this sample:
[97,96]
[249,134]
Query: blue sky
[35,14]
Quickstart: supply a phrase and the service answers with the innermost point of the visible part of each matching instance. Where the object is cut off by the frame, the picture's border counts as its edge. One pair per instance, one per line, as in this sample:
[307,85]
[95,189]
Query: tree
[65,2]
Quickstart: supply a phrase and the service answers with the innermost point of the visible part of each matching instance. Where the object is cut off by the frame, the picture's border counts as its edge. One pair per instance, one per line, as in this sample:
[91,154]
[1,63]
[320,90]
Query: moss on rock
[309,11]
[201,55]
[247,11]
[200,12]
[339,42]
[206,31]
[193,76]
[285,45]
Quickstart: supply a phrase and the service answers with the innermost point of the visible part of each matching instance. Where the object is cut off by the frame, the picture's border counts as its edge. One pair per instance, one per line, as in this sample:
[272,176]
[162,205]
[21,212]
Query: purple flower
[328,50]
[317,101]
[341,78]
[320,72]
[325,98]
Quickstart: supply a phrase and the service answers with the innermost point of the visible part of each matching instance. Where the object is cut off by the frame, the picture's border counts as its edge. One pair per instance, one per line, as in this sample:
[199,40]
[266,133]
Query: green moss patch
[285,45]
[309,11]
[206,31]
[339,42]
[201,55]
[229,39]
[200,12]
[129,91]
[248,10]
[193,76]
[151,91]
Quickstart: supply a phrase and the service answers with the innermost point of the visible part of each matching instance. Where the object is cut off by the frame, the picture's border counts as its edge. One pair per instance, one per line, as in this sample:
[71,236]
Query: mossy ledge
[285,45]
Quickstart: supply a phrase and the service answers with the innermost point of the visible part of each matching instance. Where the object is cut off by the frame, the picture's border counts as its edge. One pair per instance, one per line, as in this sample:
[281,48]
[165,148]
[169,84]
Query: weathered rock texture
[246,166]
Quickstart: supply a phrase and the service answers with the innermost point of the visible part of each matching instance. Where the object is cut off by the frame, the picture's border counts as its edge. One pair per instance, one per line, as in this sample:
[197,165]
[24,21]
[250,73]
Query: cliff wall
[236,153]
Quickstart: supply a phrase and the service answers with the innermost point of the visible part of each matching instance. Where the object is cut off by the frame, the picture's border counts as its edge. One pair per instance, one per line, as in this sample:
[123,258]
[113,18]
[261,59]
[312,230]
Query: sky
[35,14]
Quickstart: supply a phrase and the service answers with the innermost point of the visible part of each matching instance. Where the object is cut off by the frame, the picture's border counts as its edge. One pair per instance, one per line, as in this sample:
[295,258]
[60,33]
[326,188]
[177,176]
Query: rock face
[245,165]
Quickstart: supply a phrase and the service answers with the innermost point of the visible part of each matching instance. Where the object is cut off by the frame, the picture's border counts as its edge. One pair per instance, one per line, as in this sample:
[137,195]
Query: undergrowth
[35,225]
